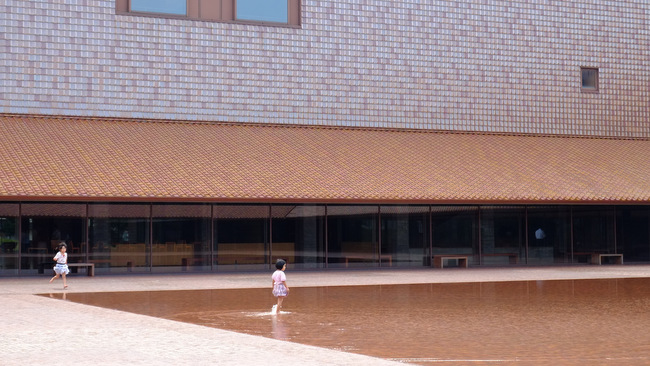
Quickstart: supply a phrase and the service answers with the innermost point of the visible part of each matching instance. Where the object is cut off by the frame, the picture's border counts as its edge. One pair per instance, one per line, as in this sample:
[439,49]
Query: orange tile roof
[76,158]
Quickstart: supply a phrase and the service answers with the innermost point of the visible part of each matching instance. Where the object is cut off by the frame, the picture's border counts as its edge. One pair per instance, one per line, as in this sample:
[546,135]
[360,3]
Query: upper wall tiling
[499,66]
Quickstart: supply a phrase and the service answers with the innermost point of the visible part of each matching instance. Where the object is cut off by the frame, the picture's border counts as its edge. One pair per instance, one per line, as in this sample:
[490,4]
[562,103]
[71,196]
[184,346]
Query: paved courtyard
[40,330]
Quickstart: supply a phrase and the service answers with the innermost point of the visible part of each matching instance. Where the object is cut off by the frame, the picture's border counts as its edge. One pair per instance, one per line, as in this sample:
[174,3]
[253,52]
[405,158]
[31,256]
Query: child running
[280,288]
[61,268]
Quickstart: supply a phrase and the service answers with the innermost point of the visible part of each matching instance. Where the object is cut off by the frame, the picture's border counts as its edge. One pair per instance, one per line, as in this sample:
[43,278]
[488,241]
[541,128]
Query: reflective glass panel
[633,233]
[118,235]
[181,237]
[178,7]
[404,236]
[241,237]
[44,226]
[298,235]
[549,234]
[352,236]
[503,239]
[593,232]
[263,10]
[9,248]
[455,231]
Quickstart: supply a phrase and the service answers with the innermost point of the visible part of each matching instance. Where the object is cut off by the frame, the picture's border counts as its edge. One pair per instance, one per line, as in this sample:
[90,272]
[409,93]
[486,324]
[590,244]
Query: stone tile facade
[471,65]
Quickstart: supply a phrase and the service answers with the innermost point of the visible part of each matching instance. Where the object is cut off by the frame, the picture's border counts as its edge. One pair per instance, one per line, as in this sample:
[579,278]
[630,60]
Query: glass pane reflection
[241,237]
[178,7]
[263,10]
[593,232]
[352,236]
[633,233]
[118,235]
[455,231]
[503,238]
[549,235]
[44,226]
[181,237]
[298,235]
[404,236]
[9,248]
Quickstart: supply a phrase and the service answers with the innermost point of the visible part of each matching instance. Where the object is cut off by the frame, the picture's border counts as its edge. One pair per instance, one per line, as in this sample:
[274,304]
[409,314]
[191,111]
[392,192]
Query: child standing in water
[61,268]
[280,288]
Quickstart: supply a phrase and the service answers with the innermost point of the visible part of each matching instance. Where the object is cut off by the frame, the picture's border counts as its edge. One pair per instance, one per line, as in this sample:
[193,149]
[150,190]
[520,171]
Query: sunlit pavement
[40,330]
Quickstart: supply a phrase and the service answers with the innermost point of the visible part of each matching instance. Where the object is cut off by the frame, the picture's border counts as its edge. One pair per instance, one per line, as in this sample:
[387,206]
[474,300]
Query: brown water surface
[569,322]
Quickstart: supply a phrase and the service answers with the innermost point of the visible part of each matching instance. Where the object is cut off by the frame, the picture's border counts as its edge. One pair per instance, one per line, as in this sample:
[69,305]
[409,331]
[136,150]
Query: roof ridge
[320,127]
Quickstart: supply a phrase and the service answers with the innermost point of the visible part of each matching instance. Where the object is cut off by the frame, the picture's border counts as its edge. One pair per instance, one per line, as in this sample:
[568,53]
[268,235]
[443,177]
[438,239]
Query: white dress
[61,264]
[279,289]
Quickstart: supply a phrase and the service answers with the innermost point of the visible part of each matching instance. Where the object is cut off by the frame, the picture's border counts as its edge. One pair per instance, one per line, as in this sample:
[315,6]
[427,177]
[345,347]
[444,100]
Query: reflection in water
[580,322]
[279,330]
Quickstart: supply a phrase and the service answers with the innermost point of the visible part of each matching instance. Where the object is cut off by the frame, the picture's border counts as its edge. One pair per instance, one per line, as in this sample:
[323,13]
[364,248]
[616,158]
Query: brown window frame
[214,11]
[595,87]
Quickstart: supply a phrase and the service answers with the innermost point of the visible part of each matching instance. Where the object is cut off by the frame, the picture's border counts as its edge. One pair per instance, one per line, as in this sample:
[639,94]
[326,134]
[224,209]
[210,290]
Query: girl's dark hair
[63,245]
[280,263]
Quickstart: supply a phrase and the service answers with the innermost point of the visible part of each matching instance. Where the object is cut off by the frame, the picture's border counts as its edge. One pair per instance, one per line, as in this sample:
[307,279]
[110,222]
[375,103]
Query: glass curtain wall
[503,235]
[180,237]
[633,233]
[593,232]
[404,236]
[131,237]
[298,235]
[44,226]
[352,236]
[455,231]
[9,248]
[549,234]
[118,237]
[241,239]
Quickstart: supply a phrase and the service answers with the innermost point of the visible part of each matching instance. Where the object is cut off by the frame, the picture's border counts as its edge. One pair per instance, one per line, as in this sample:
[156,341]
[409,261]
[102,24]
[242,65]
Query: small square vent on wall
[589,77]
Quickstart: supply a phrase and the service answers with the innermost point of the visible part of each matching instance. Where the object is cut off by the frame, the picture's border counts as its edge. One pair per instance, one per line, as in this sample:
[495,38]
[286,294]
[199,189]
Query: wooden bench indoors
[439,260]
[513,258]
[597,258]
[353,251]
[90,266]
[367,257]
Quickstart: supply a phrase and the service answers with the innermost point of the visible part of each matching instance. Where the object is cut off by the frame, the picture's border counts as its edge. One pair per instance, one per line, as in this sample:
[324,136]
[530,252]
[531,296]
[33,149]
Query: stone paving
[40,330]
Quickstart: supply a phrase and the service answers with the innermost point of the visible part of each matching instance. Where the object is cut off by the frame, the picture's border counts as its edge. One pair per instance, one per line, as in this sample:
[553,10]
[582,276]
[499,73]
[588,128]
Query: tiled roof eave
[299,200]
[103,159]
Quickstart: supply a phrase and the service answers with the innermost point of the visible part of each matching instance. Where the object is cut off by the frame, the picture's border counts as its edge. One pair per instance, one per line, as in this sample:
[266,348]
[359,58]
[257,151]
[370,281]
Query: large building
[219,135]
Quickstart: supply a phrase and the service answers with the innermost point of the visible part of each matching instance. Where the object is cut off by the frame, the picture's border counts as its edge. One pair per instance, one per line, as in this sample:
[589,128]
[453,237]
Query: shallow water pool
[562,322]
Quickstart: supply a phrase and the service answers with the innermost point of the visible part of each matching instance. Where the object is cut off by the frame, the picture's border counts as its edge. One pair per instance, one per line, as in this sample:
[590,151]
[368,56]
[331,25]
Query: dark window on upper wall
[589,76]
[263,12]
